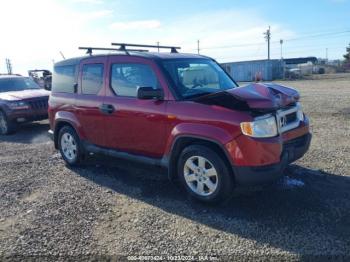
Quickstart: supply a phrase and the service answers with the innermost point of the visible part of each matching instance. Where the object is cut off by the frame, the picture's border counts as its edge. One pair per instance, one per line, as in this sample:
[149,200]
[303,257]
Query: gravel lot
[111,207]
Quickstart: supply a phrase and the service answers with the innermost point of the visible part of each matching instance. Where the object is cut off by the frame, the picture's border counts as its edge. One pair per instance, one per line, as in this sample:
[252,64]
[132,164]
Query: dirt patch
[110,207]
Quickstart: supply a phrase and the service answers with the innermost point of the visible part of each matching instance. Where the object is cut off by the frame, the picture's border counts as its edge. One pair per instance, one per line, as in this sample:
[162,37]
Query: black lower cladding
[292,150]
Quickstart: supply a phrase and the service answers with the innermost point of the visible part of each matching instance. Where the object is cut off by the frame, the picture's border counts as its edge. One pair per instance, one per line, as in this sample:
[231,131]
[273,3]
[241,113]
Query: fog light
[21,119]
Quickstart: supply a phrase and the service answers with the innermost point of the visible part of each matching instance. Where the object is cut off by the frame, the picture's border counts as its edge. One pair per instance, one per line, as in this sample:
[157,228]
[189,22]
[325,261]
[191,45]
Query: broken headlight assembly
[264,126]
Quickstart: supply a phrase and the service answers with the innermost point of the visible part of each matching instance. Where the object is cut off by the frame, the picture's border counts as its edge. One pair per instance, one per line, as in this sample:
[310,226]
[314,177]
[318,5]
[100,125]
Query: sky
[35,33]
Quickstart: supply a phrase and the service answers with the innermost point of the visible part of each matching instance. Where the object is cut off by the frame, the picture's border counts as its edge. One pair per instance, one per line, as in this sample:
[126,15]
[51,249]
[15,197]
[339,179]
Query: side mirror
[147,92]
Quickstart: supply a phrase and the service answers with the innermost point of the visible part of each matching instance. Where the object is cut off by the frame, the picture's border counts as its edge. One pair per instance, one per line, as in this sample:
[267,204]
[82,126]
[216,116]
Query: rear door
[91,91]
[134,125]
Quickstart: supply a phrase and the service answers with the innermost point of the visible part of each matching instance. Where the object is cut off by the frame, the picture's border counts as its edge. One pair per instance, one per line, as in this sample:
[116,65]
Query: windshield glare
[196,77]
[17,84]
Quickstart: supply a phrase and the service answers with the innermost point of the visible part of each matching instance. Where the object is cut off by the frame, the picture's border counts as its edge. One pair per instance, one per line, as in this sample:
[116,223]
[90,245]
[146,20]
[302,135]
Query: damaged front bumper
[258,175]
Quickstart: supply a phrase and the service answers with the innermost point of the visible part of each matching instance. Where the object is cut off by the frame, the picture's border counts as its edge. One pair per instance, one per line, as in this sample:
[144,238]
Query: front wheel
[6,126]
[204,174]
[69,146]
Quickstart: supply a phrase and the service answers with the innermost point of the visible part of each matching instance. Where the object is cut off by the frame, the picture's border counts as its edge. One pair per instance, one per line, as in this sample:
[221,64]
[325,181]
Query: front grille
[288,119]
[291,118]
[39,104]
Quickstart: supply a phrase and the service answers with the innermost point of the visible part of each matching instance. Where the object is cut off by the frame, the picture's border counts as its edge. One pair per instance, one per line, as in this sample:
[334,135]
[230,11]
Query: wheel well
[58,127]
[183,142]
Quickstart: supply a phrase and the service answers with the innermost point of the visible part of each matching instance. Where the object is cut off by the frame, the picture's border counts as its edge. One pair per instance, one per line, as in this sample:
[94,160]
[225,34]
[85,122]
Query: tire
[70,146]
[6,127]
[211,182]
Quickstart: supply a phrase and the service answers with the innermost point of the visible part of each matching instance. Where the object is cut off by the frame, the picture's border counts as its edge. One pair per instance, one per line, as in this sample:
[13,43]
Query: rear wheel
[69,146]
[6,126]
[204,174]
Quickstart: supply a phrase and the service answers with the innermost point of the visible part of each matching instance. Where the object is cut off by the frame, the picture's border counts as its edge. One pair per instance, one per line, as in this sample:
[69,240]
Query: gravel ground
[110,207]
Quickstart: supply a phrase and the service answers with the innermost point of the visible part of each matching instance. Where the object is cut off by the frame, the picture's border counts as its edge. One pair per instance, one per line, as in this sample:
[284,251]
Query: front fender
[204,131]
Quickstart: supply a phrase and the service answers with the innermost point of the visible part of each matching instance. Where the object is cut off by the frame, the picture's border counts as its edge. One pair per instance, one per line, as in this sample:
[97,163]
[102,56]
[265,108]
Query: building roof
[298,60]
[10,76]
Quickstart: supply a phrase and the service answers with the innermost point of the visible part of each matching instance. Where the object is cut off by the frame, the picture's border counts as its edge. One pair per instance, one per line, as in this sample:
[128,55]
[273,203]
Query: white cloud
[213,29]
[97,14]
[142,24]
[89,2]
[33,41]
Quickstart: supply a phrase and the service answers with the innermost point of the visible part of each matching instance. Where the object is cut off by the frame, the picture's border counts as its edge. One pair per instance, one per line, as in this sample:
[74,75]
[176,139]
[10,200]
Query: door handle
[107,109]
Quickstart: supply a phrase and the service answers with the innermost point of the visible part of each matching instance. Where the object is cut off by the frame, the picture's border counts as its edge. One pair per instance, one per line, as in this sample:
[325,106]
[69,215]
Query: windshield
[17,84]
[197,77]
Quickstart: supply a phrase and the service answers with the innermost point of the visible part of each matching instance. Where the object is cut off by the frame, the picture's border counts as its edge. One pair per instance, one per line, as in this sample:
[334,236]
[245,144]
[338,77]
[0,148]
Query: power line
[276,42]
[317,35]
[276,53]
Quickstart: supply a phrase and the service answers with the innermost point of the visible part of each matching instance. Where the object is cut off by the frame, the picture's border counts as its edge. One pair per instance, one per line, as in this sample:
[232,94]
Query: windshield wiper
[204,94]
[196,95]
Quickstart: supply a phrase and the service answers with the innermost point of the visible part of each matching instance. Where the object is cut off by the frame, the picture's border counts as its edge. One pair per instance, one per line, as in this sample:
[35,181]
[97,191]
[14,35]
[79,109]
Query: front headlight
[18,105]
[260,127]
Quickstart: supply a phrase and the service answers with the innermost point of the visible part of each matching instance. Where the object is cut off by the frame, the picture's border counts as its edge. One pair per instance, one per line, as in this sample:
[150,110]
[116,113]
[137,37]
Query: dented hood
[24,94]
[267,96]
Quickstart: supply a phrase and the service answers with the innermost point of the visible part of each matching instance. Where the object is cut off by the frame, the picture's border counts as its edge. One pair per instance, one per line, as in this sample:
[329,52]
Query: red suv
[178,111]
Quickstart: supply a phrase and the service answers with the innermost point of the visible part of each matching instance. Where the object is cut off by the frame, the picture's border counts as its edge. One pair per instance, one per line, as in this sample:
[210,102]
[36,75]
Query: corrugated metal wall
[248,70]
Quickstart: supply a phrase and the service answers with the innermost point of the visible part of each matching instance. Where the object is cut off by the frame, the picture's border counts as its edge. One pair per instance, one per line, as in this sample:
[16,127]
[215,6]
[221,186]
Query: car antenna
[64,58]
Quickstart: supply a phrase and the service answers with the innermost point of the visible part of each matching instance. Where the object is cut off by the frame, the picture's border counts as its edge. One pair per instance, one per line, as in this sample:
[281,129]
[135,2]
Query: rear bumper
[257,175]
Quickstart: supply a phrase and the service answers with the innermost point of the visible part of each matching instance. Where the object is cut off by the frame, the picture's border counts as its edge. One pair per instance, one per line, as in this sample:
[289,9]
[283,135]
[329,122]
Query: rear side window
[126,78]
[92,79]
[63,79]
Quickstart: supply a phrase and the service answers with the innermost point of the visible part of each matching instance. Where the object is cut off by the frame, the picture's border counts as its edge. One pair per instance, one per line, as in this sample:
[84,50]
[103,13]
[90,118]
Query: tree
[347,57]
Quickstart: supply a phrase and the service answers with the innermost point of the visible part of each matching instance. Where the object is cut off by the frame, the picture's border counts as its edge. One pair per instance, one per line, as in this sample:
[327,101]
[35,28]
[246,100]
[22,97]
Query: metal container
[245,71]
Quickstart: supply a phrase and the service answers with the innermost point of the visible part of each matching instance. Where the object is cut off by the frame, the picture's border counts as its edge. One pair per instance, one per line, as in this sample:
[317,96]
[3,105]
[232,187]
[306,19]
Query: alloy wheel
[200,175]
[69,147]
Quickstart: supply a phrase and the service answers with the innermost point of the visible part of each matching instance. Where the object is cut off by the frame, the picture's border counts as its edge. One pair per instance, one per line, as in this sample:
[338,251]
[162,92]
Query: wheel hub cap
[200,175]
[69,146]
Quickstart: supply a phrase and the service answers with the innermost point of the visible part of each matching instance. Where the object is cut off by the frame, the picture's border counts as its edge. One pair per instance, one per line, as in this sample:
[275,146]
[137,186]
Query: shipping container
[245,71]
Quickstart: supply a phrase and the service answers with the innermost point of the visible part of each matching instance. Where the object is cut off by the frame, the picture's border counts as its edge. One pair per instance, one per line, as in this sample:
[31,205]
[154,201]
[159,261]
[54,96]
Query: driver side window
[198,75]
[126,78]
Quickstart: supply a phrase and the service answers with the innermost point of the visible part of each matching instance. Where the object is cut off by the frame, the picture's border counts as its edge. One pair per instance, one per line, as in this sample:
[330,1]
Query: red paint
[150,127]
[266,95]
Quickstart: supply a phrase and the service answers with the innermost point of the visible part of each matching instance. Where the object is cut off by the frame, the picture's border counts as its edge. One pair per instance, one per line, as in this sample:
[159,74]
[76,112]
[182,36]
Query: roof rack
[90,49]
[122,46]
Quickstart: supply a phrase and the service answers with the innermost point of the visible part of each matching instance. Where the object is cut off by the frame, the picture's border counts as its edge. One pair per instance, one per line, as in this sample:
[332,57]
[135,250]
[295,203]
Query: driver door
[135,126]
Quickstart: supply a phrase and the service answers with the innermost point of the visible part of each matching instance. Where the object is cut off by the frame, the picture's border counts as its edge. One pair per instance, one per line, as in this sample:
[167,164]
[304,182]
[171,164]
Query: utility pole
[282,62]
[198,46]
[268,37]
[281,42]
[158,46]
[9,66]
[326,54]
